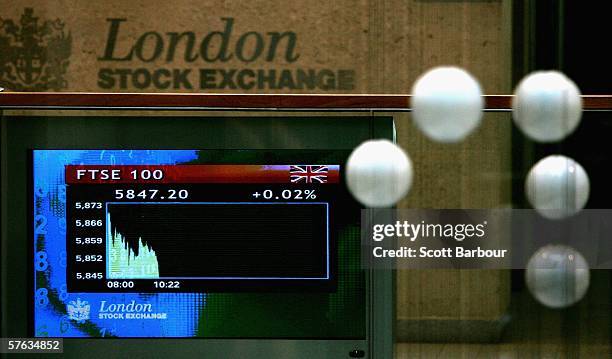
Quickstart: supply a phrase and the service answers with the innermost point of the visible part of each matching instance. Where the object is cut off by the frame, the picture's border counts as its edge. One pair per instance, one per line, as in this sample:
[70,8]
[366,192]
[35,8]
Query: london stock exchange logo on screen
[78,310]
[33,53]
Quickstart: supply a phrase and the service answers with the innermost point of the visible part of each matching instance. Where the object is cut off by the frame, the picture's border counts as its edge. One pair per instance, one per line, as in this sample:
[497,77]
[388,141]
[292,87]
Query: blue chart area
[58,313]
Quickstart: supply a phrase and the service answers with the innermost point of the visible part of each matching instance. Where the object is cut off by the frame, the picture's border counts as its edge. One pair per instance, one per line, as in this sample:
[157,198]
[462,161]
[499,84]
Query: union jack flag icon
[308,174]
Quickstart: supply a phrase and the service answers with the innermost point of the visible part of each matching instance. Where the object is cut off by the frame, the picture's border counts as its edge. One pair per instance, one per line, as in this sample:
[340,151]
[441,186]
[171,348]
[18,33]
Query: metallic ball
[378,173]
[547,106]
[557,187]
[557,276]
[447,104]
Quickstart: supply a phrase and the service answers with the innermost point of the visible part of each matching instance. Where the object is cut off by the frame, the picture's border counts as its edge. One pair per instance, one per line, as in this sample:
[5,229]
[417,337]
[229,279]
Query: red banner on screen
[297,174]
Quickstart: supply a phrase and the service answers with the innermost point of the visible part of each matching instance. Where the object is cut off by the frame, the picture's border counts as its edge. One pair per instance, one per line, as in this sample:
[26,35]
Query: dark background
[230,240]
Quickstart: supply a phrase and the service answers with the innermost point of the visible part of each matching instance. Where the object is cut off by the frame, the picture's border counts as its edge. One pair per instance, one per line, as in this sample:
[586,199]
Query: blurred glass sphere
[378,173]
[547,106]
[557,187]
[447,104]
[557,276]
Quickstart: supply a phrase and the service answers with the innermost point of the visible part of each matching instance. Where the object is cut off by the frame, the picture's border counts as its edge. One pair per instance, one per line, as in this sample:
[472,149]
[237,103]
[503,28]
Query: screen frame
[380,285]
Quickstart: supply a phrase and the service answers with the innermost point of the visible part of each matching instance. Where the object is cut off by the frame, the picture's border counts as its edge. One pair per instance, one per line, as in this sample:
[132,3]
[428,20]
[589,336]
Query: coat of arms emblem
[33,55]
[78,310]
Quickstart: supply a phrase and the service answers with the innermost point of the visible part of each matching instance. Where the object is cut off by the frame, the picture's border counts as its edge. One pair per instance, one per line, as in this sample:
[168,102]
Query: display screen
[198,227]
[195,243]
